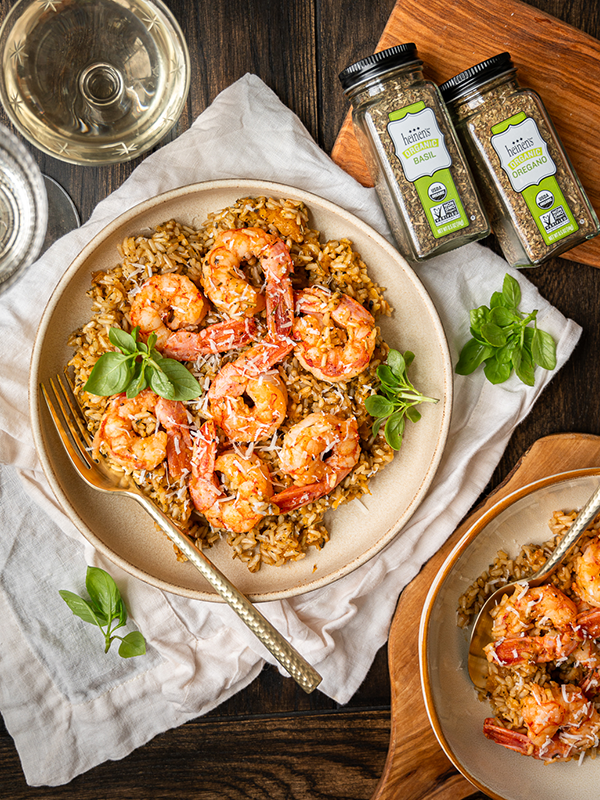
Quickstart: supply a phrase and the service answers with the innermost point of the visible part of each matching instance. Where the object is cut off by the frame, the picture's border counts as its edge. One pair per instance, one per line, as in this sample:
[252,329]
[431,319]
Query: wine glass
[93,81]
[23,209]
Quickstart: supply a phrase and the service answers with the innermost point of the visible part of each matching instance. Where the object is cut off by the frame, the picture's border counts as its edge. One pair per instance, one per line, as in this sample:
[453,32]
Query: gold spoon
[482,629]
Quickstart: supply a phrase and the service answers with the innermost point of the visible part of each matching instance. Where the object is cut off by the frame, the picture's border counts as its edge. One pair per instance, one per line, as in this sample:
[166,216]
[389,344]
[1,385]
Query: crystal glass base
[23,209]
[93,81]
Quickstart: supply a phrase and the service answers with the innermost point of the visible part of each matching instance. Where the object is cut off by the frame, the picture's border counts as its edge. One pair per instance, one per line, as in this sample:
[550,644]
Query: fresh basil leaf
[121,611]
[413,414]
[185,386]
[160,383]
[388,377]
[83,608]
[379,406]
[396,363]
[376,425]
[476,334]
[479,316]
[511,292]
[503,316]
[142,348]
[394,428]
[409,357]
[497,372]
[132,645]
[151,341]
[504,354]
[123,340]
[497,300]
[471,356]
[138,382]
[110,375]
[493,334]
[103,591]
[524,366]
[543,349]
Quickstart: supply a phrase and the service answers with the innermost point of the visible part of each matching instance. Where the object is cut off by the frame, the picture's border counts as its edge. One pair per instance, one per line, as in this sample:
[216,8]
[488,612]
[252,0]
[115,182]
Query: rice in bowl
[175,248]
[544,663]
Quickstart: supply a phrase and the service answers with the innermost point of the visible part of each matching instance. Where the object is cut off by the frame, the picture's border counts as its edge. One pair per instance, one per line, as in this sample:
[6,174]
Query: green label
[420,147]
[525,159]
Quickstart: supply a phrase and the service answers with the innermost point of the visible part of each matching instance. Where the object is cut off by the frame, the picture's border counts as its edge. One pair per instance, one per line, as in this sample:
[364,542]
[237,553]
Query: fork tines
[67,416]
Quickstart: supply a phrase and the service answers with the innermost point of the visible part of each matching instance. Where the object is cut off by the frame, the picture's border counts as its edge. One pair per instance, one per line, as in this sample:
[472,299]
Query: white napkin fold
[69,707]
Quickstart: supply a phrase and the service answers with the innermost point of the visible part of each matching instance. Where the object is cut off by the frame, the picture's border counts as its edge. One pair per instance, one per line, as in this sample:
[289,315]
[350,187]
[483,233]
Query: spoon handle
[580,523]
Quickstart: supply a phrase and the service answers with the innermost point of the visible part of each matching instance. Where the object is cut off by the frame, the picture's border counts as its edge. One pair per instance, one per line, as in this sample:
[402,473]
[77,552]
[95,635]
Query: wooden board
[555,59]
[416,766]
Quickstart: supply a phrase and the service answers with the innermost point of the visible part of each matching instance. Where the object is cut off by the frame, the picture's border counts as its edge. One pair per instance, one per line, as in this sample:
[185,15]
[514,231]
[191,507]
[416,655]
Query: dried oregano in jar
[535,201]
[414,157]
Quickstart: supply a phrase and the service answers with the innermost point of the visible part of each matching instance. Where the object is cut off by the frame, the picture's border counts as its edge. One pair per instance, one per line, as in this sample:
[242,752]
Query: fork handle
[290,659]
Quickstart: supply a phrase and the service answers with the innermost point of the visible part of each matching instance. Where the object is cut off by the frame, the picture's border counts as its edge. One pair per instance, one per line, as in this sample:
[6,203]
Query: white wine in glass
[93,81]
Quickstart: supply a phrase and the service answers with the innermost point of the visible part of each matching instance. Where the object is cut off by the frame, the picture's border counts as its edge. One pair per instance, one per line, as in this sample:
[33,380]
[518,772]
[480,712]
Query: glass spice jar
[413,154]
[535,201]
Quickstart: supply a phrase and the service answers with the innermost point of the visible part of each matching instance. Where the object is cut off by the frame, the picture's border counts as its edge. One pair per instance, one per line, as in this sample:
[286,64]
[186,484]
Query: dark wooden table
[271,740]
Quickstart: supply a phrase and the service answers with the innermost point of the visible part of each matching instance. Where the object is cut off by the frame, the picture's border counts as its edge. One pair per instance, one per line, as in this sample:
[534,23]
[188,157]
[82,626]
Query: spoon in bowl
[482,629]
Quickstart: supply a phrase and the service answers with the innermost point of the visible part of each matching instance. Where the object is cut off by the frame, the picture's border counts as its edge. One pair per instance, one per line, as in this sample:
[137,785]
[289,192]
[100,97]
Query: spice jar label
[420,146]
[525,159]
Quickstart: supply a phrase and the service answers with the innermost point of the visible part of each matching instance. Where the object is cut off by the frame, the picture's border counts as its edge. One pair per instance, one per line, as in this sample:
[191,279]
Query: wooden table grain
[271,740]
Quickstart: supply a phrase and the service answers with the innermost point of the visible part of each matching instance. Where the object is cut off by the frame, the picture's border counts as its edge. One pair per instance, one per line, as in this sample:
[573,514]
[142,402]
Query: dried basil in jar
[535,201]
[413,154]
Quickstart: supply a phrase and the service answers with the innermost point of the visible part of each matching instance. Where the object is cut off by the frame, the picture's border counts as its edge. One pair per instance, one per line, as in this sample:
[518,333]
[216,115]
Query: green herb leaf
[123,340]
[503,338]
[379,406]
[136,367]
[185,386]
[524,366]
[394,428]
[543,349]
[132,645]
[83,608]
[106,610]
[471,356]
[511,291]
[496,371]
[397,398]
[111,374]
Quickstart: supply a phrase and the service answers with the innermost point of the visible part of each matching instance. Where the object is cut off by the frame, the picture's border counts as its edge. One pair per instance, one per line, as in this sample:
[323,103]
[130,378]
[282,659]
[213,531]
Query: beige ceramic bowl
[121,530]
[454,710]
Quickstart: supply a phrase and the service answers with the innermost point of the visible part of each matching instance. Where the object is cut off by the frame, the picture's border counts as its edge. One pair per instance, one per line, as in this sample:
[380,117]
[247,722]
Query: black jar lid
[476,76]
[370,67]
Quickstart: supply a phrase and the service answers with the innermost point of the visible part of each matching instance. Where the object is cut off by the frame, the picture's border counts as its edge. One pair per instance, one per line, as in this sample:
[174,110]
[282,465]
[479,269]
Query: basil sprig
[137,366]
[105,608]
[502,338]
[397,399]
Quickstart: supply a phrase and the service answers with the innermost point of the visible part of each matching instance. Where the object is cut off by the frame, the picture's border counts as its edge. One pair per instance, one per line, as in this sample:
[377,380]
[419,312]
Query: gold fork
[69,422]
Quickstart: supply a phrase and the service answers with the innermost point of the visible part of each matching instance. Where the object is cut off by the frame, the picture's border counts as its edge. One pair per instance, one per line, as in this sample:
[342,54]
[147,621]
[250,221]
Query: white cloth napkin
[69,707]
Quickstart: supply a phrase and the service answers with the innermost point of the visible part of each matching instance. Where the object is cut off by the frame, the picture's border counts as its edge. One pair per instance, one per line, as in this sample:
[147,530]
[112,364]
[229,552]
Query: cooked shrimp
[174,418]
[558,719]
[166,303]
[248,480]
[218,338]
[544,607]
[250,376]
[227,287]
[335,335]
[587,574]
[117,434]
[318,453]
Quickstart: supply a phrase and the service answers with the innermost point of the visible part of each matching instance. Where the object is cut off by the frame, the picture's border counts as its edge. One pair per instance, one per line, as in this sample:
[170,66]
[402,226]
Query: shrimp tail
[218,338]
[173,417]
[203,487]
[552,749]
[297,496]
[512,740]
